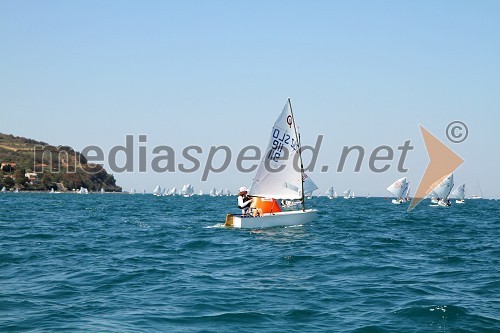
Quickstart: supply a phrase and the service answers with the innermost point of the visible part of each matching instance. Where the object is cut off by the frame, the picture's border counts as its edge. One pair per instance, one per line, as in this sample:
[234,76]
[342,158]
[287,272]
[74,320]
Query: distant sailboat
[397,189]
[132,191]
[309,186]
[213,192]
[102,190]
[200,193]
[83,190]
[4,189]
[479,191]
[347,194]
[330,193]
[172,192]
[433,196]
[459,193]
[187,190]
[157,191]
[442,190]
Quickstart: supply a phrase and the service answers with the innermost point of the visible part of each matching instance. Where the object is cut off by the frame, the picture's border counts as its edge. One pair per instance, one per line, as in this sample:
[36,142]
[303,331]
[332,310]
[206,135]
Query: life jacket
[245,199]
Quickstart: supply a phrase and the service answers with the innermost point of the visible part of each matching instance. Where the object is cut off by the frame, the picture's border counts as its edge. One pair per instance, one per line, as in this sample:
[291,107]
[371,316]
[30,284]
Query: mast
[300,158]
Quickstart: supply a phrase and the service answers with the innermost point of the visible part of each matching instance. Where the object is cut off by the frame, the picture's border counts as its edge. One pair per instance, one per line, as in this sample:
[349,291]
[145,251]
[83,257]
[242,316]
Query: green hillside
[33,165]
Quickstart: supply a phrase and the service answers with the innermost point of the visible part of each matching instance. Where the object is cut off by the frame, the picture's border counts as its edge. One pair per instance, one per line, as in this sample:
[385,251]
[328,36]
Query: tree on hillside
[8,182]
[8,168]
[47,179]
[21,180]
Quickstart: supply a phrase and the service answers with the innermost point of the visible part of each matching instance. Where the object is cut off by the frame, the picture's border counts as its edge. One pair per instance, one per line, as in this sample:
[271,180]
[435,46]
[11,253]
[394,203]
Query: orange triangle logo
[442,162]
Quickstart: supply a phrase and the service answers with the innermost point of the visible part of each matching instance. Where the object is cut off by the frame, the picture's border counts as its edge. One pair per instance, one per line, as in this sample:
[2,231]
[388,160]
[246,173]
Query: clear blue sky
[218,73]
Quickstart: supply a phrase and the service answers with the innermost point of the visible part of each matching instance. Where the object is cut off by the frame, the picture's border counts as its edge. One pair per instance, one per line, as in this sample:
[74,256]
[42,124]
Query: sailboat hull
[443,203]
[286,218]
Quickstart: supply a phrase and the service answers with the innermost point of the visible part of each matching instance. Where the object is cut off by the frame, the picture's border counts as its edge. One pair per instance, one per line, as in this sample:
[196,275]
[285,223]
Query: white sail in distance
[330,192]
[187,190]
[443,188]
[398,187]
[459,192]
[309,185]
[157,190]
[279,174]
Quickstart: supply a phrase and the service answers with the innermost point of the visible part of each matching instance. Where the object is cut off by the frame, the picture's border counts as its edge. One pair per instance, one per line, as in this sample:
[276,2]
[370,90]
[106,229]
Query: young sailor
[245,203]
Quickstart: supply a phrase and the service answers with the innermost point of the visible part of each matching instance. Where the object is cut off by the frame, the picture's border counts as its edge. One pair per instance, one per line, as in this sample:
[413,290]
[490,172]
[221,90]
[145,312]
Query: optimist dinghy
[283,153]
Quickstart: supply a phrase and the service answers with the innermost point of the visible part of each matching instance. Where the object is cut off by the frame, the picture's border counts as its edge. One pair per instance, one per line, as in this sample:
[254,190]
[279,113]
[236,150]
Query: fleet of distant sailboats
[440,192]
[188,191]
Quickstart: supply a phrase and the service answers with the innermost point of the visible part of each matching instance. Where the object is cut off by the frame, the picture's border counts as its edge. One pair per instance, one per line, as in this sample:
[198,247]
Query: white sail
[398,188]
[157,190]
[407,192]
[187,190]
[459,192]
[102,190]
[309,185]
[347,194]
[330,192]
[443,188]
[172,191]
[4,189]
[279,174]
[213,192]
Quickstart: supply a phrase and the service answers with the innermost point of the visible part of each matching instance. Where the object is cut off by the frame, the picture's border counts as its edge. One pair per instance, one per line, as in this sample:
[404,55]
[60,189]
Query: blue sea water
[139,263]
